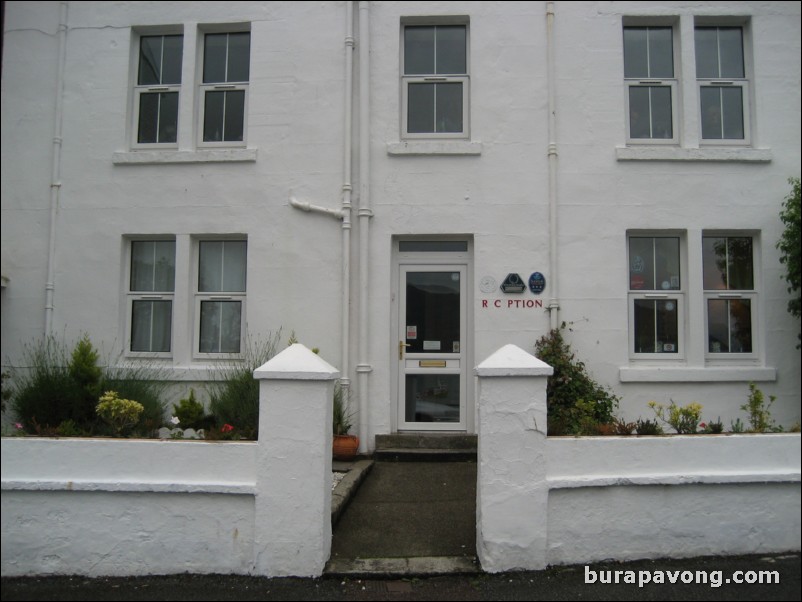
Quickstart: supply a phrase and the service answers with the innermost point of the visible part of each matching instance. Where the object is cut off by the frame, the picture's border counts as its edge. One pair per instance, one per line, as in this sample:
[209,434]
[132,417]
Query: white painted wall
[499,198]
[548,501]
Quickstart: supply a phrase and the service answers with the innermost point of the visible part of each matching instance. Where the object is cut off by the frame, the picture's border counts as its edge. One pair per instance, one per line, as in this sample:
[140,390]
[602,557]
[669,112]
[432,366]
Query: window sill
[671,374]
[673,153]
[160,157]
[434,147]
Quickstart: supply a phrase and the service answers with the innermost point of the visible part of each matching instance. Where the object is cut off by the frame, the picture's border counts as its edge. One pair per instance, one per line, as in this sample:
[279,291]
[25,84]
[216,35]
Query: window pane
[220,326]
[448,107]
[710,98]
[234,265]
[168,117]
[641,263]
[635,56]
[214,57]
[427,246]
[728,263]
[729,325]
[661,53]
[150,326]
[153,266]
[732,107]
[656,326]
[234,115]
[418,50]
[433,307]
[210,269]
[451,52]
[147,132]
[150,52]
[213,114]
[706,39]
[648,52]
[171,62]
[420,108]
[660,97]
[432,398]
[639,118]
[667,271]
[731,52]
[239,57]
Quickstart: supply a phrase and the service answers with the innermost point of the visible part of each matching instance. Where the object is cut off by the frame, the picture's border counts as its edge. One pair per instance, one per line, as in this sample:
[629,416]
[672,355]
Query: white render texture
[543,501]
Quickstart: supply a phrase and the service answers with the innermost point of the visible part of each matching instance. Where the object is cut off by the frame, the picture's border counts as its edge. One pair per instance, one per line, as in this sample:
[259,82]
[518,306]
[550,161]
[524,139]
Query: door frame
[429,261]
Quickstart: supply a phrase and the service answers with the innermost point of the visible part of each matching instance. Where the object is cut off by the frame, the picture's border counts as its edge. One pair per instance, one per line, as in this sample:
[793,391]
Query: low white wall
[126,507]
[585,499]
[647,497]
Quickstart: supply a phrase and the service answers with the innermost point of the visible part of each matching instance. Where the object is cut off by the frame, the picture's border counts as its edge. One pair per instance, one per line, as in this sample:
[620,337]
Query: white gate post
[511,489]
[293,485]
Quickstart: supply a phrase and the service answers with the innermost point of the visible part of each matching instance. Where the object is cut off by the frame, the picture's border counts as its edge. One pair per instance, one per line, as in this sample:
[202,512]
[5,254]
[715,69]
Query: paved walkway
[410,510]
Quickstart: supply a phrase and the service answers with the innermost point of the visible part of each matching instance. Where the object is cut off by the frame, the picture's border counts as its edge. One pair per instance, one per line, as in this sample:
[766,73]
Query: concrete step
[403,567]
[426,447]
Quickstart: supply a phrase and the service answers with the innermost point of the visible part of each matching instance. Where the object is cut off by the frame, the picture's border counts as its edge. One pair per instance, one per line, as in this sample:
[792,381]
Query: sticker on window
[431,345]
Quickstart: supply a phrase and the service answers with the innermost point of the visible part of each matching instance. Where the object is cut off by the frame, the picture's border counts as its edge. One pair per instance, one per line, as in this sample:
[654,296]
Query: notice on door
[431,345]
[412,332]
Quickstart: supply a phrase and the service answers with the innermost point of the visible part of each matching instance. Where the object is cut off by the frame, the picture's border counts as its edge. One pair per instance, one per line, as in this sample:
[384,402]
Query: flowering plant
[119,413]
[683,419]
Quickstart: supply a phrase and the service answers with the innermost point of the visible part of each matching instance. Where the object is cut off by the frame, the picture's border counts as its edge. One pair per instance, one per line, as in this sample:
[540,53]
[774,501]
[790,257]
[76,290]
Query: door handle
[401,346]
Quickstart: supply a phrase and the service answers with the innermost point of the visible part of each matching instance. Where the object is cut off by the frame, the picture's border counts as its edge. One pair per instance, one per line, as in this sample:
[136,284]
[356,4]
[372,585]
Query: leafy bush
[56,393]
[760,420]
[234,396]
[789,246]
[189,411]
[648,427]
[577,404]
[683,419]
[121,414]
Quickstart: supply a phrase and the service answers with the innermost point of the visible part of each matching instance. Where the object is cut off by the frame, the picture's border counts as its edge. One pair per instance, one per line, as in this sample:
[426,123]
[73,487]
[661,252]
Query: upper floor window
[651,84]
[721,77]
[158,84]
[435,81]
[224,90]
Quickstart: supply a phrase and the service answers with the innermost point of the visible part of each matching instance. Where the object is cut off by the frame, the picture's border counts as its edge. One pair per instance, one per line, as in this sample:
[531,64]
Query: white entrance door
[432,347]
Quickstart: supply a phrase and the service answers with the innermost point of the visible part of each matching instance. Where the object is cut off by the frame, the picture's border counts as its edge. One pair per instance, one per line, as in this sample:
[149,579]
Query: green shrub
[760,420]
[43,393]
[234,394]
[55,392]
[576,403]
[790,248]
[648,427]
[683,419]
[189,411]
[121,414]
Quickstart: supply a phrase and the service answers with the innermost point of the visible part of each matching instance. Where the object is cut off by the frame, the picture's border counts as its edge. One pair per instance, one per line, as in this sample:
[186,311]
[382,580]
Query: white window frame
[203,88]
[140,90]
[670,82]
[134,296]
[200,297]
[463,79]
[726,82]
[678,295]
[751,295]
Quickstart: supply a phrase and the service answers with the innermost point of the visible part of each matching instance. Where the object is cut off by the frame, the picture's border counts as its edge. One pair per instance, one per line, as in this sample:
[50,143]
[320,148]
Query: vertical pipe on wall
[363,367]
[554,301]
[345,367]
[55,173]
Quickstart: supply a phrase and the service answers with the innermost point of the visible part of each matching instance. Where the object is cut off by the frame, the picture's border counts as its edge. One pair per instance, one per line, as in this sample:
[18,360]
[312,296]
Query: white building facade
[409,186]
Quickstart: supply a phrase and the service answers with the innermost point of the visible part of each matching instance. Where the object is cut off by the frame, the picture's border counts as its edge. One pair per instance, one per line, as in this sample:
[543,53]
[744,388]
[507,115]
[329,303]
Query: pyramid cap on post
[511,360]
[296,362]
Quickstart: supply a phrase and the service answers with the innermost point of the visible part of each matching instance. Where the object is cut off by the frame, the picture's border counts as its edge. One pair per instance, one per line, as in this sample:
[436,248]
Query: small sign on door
[412,332]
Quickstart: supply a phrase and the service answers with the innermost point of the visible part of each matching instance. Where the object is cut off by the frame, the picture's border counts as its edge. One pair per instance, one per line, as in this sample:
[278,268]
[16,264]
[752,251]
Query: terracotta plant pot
[345,447]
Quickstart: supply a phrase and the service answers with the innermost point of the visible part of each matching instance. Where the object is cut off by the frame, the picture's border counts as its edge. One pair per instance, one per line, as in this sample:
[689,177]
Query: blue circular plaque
[537,282]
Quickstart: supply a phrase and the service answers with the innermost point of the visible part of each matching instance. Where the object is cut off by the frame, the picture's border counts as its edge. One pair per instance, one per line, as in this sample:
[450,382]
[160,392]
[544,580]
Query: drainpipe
[554,303]
[345,338]
[55,172]
[363,367]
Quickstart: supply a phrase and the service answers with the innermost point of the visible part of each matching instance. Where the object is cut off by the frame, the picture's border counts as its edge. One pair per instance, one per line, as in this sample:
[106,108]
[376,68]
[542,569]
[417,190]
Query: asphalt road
[558,583]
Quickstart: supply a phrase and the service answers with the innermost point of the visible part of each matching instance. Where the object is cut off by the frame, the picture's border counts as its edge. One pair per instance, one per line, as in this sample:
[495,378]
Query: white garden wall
[543,501]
